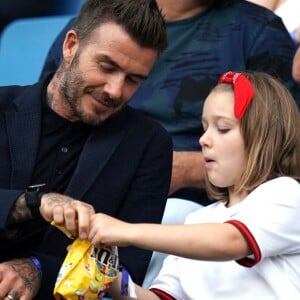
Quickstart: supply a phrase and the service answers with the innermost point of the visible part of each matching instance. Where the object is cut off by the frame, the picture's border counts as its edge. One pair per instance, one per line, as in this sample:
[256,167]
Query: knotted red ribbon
[243,91]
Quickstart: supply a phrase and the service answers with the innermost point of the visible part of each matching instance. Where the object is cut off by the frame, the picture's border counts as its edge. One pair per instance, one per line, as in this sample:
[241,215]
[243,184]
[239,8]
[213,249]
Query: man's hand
[65,211]
[187,170]
[20,279]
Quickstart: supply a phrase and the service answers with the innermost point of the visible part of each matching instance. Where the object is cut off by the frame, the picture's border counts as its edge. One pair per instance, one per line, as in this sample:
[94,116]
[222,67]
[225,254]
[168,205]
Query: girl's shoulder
[283,189]
[281,182]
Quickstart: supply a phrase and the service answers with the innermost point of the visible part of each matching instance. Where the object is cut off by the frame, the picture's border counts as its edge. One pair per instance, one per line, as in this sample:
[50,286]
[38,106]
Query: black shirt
[61,143]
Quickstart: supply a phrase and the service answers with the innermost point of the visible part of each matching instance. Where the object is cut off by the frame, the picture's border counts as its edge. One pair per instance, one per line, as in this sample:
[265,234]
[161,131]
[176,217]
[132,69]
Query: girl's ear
[70,46]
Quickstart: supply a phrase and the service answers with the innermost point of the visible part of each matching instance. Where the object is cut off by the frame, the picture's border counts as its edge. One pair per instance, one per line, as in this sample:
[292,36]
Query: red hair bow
[243,91]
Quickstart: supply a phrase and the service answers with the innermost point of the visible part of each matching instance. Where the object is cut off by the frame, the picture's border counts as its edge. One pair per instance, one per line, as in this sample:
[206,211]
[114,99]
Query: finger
[94,228]
[12,286]
[84,214]
[18,281]
[58,214]
[7,281]
[70,219]
[91,236]
[13,295]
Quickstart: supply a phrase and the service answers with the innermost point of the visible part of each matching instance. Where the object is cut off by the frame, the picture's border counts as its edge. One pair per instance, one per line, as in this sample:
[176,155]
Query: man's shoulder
[9,94]
[11,90]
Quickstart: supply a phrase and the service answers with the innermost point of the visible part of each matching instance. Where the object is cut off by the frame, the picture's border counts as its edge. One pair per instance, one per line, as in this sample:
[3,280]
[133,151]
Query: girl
[246,245]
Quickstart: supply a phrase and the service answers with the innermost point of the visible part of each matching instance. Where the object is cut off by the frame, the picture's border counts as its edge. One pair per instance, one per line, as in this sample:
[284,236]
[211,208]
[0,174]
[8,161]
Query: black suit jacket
[124,170]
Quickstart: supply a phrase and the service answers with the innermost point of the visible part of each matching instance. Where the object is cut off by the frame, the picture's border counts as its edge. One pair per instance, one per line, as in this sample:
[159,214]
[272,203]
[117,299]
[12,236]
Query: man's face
[100,75]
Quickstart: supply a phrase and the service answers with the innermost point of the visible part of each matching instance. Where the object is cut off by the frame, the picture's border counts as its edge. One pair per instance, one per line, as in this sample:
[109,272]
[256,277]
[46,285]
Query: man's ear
[70,46]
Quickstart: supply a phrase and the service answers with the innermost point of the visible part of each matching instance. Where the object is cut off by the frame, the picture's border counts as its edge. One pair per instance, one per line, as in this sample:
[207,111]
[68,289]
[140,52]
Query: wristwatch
[33,195]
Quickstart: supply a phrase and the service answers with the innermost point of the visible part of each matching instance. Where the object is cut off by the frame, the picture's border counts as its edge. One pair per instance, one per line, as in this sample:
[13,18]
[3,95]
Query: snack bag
[87,272]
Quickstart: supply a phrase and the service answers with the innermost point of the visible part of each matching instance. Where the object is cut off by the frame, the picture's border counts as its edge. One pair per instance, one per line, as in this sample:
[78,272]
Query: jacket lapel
[98,149]
[23,127]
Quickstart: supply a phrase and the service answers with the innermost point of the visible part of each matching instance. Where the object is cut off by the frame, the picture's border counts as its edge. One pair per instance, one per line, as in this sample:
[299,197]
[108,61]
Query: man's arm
[296,66]
[74,215]
[19,213]
[187,170]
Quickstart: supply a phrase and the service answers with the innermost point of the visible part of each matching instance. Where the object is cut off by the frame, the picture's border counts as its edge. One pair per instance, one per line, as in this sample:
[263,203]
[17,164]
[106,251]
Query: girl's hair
[141,19]
[271,132]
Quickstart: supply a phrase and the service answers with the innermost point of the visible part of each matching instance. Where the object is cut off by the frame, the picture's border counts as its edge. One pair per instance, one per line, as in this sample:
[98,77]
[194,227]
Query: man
[75,132]
[205,39]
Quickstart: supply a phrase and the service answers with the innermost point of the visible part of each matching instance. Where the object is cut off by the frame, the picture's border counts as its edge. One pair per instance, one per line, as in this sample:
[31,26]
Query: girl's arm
[207,241]
[141,293]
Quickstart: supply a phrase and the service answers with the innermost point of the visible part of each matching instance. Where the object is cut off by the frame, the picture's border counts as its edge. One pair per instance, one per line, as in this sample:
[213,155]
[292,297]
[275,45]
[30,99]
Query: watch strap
[33,197]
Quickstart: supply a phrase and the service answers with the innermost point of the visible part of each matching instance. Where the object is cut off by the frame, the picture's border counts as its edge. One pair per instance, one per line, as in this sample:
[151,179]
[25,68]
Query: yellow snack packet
[87,272]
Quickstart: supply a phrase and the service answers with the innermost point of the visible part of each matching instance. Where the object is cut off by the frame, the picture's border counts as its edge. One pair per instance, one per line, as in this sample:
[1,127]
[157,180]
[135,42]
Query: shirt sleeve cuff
[162,295]
[247,261]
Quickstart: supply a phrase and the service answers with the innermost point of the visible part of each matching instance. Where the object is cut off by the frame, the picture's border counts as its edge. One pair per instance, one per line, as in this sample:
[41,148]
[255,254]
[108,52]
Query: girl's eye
[223,130]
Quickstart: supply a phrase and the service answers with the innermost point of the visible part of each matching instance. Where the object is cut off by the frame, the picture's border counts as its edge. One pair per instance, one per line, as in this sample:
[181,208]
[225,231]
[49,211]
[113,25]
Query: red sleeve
[246,261]
[162,295]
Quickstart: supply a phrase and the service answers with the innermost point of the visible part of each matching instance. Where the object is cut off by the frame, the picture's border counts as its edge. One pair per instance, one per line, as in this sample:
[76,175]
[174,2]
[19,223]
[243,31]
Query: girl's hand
[108,231]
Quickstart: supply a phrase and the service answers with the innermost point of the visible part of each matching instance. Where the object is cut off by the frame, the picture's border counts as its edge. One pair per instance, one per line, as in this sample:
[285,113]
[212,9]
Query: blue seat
[24,45]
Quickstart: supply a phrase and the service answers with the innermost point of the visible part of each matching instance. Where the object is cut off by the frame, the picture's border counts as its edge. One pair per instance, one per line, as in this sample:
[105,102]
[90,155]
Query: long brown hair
[271,132]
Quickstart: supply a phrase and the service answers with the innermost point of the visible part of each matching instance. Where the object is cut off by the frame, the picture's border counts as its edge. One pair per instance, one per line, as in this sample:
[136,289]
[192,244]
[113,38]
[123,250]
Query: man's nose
[114,86]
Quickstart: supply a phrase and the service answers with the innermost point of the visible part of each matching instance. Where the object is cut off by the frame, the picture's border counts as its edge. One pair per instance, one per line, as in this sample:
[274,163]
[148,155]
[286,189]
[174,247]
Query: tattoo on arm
[55,198]
[19,213]
[29,274]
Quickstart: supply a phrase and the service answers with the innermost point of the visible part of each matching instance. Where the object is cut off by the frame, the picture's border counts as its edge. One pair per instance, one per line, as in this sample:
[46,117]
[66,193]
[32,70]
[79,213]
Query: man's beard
[71,89]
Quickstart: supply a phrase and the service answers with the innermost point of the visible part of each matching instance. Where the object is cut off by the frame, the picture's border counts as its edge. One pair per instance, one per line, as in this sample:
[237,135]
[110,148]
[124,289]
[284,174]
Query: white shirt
[271,218]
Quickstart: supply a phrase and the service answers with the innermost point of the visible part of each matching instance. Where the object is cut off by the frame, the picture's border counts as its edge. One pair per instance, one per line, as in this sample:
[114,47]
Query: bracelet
[127,285]
[36,263]
[124,282]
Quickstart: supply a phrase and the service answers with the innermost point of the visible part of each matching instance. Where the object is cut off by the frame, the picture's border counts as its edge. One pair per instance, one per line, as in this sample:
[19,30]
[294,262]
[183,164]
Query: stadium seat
[24,45]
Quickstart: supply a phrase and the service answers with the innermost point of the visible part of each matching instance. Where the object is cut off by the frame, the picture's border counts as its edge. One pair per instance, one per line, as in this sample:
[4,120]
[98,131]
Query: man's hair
[141,19]
[270,129]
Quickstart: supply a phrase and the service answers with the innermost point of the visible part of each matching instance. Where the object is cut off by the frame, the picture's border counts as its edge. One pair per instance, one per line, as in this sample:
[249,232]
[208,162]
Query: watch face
[37,187]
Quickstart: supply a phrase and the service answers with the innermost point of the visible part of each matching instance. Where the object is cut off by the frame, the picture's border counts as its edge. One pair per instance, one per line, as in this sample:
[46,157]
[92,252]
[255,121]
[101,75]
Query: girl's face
[222,143]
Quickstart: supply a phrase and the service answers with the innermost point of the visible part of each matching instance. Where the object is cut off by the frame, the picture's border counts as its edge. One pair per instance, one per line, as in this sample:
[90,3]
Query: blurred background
[15,9]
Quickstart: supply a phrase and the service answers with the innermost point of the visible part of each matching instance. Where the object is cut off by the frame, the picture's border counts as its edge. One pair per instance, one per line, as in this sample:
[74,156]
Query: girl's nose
[204,140]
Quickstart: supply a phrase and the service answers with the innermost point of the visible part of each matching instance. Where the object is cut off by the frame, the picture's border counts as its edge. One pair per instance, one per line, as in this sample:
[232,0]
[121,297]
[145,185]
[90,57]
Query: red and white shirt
[269,218]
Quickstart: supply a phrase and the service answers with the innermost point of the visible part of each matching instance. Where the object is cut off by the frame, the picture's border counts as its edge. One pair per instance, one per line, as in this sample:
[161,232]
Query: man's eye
[107,68]
[133,81]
